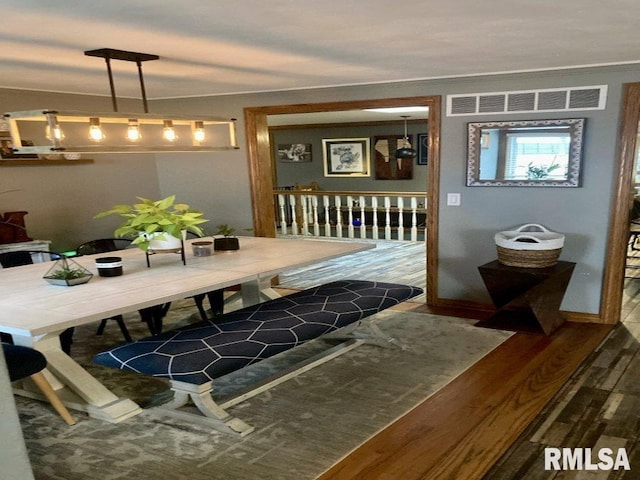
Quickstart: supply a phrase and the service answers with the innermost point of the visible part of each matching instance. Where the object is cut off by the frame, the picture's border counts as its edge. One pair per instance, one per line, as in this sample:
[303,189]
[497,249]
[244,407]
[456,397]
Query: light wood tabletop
[35,312]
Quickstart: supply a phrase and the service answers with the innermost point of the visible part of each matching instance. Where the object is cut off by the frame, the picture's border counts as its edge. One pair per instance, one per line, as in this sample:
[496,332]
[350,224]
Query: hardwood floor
[460,432]
[598,407]
[481,425]
[390,261]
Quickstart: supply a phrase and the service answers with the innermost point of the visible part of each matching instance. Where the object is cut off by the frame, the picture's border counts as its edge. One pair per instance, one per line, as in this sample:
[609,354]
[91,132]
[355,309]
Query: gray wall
[466,232]
[62,199]
[290,173]
[218,183]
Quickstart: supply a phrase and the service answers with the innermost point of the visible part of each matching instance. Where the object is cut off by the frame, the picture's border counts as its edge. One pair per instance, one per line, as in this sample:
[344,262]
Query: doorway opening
[612,291]
[261,166]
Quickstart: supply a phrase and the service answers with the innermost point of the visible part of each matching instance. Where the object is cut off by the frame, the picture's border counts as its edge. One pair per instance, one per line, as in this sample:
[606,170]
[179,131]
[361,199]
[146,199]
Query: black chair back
[103,245]
[25,257]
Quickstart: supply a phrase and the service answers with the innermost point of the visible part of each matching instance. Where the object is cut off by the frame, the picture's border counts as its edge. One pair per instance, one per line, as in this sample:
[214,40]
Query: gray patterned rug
[303,426]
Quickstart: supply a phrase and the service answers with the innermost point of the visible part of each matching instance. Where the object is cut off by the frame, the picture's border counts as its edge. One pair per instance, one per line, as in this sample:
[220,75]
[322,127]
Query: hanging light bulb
[198,131]
[405,151]
[168,132]
[54,133]
[133,130]
[95,130]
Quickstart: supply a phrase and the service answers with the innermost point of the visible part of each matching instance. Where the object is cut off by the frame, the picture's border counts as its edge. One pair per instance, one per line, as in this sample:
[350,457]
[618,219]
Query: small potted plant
[228,241]
[67,272]
[157,224]
[540,172]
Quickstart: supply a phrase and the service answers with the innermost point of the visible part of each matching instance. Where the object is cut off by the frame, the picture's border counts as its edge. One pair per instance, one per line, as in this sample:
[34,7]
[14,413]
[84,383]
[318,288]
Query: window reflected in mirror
[541,153]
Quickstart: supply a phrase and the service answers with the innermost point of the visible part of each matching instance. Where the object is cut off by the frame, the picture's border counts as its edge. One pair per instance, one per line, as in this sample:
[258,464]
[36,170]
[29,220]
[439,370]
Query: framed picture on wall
[423,148]
[294,152]
[386,165]
[346,157]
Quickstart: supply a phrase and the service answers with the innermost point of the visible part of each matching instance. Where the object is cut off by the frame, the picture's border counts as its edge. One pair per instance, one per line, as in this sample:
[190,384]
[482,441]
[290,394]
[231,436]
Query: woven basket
[530,246]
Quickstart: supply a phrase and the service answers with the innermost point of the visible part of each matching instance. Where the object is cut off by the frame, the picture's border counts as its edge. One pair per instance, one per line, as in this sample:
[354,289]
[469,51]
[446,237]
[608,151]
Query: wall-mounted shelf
[18,162]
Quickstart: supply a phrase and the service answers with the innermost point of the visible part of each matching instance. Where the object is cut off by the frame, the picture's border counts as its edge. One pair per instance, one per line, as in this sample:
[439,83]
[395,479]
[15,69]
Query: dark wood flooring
[599,406]
[574,388]
[463,430]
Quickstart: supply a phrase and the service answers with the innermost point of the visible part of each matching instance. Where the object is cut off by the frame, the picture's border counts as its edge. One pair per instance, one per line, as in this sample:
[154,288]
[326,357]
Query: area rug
[302,426]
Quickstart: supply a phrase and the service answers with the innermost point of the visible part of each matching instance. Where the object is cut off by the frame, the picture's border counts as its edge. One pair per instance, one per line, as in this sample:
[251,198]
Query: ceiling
[217,47]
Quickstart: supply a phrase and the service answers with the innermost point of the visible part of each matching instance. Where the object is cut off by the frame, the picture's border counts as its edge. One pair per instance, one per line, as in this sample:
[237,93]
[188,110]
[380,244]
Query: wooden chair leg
[216,300]
[66,340]
[101,327]
[153,316]
[45,387]
[199,300]
[123,328]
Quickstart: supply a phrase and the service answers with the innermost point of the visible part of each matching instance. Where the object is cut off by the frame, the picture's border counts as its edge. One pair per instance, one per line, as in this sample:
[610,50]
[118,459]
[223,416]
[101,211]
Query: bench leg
[200,395]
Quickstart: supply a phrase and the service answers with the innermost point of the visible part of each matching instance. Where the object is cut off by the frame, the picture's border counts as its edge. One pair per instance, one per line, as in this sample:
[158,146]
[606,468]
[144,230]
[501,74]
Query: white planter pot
[166,243]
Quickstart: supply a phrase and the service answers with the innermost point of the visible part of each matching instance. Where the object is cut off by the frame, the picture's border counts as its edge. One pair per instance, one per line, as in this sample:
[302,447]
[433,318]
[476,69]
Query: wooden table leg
[75,386]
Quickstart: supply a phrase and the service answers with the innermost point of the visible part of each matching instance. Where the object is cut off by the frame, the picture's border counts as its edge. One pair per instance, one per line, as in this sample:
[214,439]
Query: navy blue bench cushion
[203,351]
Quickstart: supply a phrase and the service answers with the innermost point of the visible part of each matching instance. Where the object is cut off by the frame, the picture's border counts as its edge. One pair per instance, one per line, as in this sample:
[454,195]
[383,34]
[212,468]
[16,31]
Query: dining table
[35,312]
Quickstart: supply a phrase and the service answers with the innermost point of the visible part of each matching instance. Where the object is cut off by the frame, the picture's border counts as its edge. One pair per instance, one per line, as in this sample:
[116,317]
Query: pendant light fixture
[55,131]
[405,151]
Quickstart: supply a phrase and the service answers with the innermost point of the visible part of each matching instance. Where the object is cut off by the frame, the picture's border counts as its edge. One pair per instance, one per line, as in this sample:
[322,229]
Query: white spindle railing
[401,215]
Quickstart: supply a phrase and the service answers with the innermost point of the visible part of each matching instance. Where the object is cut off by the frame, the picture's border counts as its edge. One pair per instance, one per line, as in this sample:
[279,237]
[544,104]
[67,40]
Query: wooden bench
[194,355]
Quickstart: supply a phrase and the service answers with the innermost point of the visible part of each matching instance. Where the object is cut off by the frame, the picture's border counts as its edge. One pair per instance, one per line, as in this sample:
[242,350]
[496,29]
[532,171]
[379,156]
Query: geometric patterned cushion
[203,351]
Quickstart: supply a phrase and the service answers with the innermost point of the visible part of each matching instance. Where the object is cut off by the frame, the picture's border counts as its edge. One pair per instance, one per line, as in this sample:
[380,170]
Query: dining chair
[19,258]
[105,245]
[23,362]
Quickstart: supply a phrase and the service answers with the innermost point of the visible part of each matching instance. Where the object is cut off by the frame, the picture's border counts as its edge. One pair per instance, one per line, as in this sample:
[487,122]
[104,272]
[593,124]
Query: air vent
[548,100]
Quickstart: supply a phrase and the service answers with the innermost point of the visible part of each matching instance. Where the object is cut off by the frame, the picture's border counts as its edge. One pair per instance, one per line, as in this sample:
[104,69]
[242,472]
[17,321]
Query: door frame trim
[260,167]
[622,199]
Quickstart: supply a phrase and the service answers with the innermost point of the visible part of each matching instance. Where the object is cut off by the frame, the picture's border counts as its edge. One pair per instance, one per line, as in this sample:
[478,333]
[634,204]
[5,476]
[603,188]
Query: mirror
[538,153]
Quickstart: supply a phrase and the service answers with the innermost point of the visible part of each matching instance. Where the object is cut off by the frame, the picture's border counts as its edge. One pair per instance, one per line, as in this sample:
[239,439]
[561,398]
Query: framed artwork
[387,166]
[423,148]
[294,152]
[346,157]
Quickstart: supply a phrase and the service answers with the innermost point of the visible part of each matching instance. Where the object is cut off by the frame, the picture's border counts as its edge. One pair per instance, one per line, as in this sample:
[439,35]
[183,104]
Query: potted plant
[228,242]
[67,272]
[153,221]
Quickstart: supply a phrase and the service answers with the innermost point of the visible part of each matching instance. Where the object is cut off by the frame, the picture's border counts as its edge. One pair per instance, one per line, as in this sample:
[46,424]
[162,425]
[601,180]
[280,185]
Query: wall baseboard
[482,310]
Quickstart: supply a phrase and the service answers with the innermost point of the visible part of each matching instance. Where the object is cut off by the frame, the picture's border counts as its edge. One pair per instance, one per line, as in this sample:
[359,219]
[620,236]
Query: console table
[527,299]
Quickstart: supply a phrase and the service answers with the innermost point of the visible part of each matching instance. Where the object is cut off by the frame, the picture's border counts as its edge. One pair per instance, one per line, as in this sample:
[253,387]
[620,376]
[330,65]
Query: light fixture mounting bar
[112,54]
[121,55]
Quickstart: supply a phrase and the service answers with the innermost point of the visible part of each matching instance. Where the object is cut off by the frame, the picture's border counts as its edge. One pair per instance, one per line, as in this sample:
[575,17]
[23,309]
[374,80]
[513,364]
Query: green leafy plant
[225,230]
[538,172]
[67,273]
[161,217]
